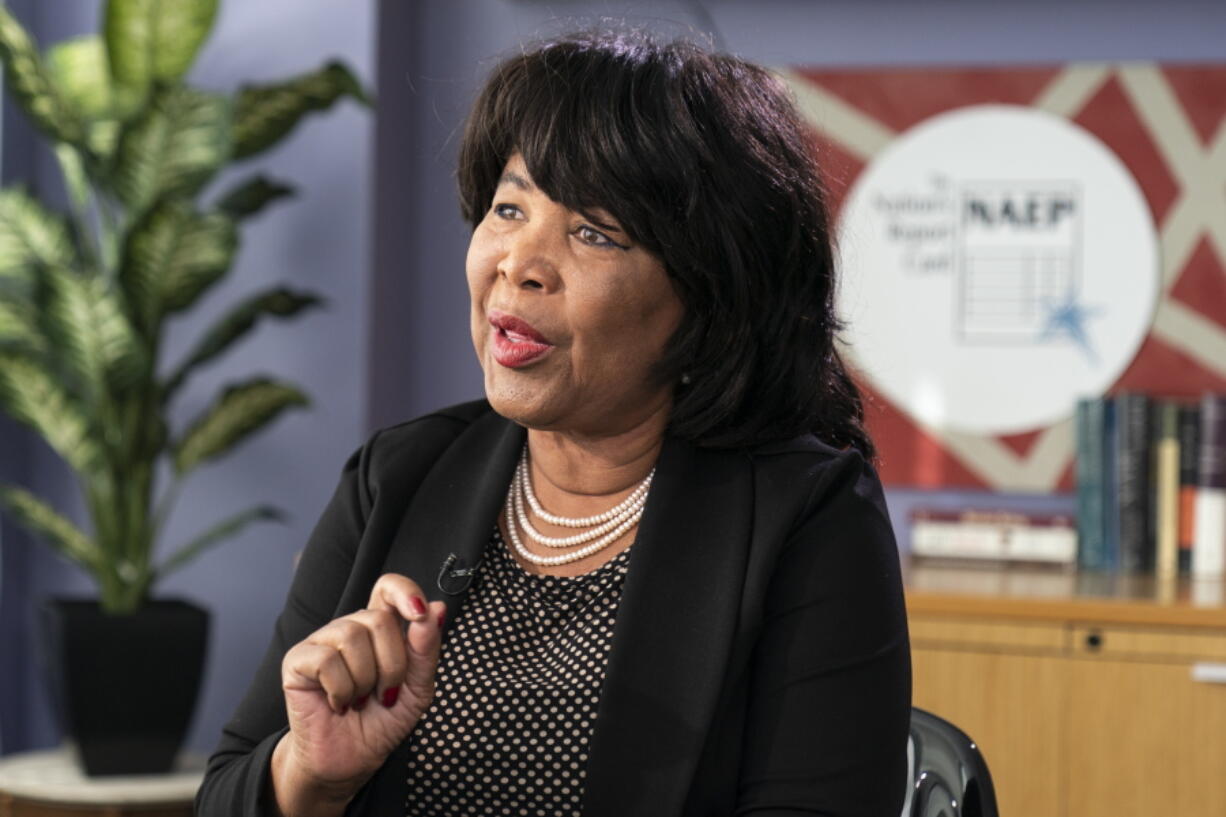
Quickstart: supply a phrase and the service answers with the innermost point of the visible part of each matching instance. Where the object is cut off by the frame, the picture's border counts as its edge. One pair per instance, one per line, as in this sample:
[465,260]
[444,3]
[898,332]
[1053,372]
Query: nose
[527,260]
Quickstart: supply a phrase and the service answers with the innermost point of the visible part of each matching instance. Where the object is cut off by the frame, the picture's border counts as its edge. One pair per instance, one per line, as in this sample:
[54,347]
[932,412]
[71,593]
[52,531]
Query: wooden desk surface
[1062,595]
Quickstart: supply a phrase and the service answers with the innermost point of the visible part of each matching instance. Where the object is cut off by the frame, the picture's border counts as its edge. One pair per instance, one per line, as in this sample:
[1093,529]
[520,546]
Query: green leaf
[281,303]
[151,40]
[241,410]
[34,396]
[30,236]
[173,149]
[216,534]
[92,333]
[172,256]
[39,518]
[17,330]
[253,196]
[103,137]
[28,80]
[80,72]
[264,114]
[75,179]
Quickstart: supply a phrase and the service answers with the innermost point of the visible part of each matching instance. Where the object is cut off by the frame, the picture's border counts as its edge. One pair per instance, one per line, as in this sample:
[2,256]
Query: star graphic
[1068,317]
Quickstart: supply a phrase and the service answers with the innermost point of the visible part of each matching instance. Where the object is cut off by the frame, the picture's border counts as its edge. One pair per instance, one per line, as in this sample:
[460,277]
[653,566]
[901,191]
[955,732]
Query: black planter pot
[126,686]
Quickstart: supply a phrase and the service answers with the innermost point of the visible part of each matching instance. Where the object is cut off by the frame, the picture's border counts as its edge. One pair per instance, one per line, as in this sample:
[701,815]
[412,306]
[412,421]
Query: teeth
[515,337]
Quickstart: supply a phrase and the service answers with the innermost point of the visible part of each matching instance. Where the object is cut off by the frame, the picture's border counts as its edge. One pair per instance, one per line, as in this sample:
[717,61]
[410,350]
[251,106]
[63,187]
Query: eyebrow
[515,179]
[512,178]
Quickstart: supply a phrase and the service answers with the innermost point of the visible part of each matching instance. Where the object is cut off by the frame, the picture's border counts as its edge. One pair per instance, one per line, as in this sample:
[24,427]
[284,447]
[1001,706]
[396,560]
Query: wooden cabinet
[1089,695]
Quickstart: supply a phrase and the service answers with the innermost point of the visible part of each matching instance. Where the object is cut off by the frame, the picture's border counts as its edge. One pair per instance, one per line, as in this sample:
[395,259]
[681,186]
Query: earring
[685,379]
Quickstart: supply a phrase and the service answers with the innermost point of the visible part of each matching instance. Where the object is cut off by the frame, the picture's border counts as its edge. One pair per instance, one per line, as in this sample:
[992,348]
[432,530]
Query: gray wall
[408,306]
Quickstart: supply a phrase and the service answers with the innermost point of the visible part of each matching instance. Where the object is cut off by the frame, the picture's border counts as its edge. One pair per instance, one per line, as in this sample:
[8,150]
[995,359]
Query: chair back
[948,772]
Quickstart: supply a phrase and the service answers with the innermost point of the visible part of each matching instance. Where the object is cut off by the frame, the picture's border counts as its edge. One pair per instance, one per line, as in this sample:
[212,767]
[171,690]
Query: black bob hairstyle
[703,160]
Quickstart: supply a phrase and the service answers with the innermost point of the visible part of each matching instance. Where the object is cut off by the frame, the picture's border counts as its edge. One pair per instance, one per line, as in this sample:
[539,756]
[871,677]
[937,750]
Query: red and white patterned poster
[1015,238]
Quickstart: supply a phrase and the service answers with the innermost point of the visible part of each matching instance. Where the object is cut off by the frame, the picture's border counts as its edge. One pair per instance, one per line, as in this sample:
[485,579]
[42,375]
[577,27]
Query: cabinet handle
[1208,672]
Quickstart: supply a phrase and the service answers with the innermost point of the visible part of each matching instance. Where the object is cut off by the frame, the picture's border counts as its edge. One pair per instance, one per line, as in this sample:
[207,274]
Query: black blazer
[760,662]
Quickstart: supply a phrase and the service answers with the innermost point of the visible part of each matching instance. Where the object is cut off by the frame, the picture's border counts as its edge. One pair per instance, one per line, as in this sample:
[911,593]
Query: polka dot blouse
[518,685]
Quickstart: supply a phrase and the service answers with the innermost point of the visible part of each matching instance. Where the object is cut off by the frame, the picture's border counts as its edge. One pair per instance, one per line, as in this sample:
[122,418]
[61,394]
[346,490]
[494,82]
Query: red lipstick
[516,342]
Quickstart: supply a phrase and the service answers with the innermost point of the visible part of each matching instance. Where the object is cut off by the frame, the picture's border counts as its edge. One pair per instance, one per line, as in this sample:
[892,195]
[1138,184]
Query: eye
[590,235]
[506,211]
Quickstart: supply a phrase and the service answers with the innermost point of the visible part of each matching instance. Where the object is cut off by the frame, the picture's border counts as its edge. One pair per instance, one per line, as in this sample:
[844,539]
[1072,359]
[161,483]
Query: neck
[571,467]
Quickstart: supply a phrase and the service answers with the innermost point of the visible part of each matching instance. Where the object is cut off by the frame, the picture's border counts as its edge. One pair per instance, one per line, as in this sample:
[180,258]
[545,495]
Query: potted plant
[85,296]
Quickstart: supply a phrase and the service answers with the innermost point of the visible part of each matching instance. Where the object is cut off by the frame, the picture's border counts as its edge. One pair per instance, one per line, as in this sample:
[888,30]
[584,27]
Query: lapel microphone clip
[455,580]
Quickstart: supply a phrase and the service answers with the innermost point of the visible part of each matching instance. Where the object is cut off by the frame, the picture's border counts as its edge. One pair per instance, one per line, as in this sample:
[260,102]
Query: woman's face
[568,315]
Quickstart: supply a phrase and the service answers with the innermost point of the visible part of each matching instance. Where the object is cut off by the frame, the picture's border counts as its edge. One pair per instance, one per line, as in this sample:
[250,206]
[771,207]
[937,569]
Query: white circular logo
[998,262]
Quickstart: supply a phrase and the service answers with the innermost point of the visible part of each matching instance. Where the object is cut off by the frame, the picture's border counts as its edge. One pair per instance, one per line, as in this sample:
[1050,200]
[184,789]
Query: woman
[657,560]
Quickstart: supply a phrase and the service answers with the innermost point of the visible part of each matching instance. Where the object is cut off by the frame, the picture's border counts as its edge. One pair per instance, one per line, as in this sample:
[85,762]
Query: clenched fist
[354,689]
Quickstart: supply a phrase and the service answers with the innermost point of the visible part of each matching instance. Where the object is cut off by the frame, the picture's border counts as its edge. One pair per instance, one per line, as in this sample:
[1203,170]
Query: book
[1091,459]
[1132,482]
[1189,470]
[994,535]
[1209,546]
[1111,515]
[1165,507]
[1155,437]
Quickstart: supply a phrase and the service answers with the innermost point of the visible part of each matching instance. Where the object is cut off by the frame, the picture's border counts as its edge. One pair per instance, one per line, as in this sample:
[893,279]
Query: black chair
[949,775]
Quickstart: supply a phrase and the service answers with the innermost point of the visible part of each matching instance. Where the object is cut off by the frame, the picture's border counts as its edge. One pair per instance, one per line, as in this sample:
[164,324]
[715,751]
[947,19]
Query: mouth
[516,342]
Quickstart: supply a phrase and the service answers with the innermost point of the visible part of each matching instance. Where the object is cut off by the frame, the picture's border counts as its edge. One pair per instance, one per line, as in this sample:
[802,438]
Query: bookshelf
[1089,693]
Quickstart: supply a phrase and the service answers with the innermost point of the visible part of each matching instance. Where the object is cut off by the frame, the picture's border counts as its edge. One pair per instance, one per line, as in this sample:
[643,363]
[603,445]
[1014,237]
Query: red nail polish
[419,606]
[390,695]
[360,703]
[442,617]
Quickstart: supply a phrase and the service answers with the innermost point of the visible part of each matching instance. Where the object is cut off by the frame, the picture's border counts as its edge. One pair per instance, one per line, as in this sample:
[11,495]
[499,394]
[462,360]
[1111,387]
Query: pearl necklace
[605,528]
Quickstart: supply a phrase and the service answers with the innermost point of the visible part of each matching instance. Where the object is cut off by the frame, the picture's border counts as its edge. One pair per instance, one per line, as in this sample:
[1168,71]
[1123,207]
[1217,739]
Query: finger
[318,667]
[386,633]
[352,641]
[424,638]
[400,593]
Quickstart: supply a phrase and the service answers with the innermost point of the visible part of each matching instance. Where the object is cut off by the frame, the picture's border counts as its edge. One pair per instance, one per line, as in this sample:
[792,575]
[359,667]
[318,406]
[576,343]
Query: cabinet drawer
[1151,645]
[955,632]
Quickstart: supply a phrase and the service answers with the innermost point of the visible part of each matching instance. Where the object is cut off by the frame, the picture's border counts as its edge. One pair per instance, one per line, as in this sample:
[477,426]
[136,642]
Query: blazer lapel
[448,524]
[674,632]
[451,515]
